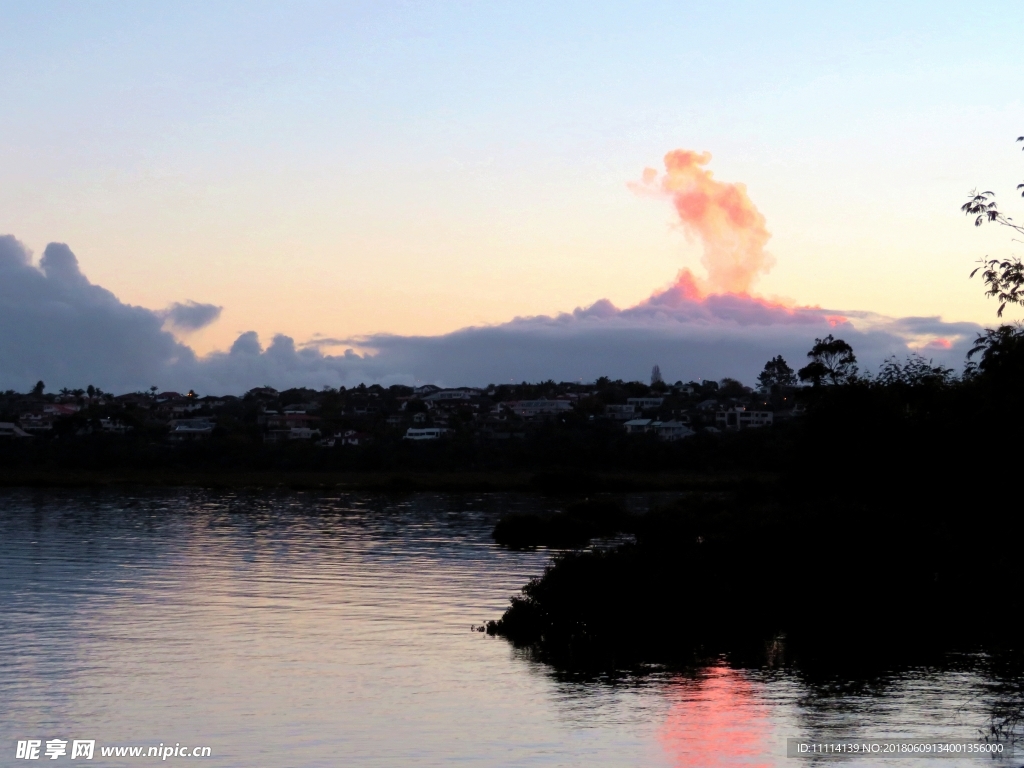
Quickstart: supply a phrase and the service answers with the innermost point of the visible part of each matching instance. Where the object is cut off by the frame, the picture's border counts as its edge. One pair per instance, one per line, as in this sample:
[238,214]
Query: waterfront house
[424,433]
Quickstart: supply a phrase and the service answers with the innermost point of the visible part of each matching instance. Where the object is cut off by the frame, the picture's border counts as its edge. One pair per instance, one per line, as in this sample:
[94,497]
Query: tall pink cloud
[720,215]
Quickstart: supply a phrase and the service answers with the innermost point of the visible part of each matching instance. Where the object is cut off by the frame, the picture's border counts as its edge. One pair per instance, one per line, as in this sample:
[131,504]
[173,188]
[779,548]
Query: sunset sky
[344,169]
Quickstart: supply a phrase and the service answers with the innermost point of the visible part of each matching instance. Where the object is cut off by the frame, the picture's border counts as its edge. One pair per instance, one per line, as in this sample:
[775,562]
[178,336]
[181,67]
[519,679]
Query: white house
[190,429]
[114,426]
[36,422]
[636,426]
[424,433]
[9,429]
[740,418]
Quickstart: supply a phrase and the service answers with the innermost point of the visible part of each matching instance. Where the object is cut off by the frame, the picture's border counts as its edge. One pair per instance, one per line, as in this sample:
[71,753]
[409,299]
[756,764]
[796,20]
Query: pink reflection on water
[716,720]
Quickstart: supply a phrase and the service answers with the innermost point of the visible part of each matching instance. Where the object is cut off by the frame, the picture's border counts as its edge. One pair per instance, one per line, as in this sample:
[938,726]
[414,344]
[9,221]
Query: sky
[403,178]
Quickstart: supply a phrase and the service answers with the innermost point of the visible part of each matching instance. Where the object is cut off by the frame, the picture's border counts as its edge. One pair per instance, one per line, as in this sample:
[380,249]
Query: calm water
[314,630]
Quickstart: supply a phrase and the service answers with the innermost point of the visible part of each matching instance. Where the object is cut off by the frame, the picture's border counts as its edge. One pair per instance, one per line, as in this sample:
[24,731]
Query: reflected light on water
[716,720]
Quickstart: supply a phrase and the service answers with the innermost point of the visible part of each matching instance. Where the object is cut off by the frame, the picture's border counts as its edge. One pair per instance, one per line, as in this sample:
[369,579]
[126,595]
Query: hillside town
[336,418]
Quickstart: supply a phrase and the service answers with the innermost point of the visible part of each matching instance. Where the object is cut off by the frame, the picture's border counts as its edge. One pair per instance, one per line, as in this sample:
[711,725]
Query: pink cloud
[720,215]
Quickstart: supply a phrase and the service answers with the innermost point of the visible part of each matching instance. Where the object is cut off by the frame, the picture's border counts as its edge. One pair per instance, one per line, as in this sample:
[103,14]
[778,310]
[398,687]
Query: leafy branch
[1004,278]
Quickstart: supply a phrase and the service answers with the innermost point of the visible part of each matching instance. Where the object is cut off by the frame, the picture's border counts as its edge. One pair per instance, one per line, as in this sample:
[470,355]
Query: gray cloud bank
[58,327]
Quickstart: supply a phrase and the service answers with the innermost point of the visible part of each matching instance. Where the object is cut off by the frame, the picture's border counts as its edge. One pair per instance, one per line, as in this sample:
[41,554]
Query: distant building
[620,412]
[136,399]
[465,393]
[638,426]
[671,430]
[279,421]
[741,418]
[645,403]
[302,433]
[290,433]
[113,426]
[351,437]
[528,408]
[61,410]
[665,430]
[9,429]
[424,433]
[36,422]
[190,429]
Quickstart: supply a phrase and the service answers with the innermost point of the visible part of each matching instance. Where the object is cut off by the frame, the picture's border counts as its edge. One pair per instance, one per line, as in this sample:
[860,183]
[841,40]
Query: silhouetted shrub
[520,531]
[573,528]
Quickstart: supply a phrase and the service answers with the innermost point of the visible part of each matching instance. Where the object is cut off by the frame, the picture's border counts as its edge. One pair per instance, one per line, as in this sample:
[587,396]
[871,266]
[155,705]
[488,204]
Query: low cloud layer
[729,336]
[58,327]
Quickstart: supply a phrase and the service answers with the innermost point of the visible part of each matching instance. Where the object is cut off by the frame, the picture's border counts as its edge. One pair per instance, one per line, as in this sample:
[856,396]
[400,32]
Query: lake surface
[308,629]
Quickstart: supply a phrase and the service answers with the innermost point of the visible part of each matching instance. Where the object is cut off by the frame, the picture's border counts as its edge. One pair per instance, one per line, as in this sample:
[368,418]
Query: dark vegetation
[894,524]
[892,528]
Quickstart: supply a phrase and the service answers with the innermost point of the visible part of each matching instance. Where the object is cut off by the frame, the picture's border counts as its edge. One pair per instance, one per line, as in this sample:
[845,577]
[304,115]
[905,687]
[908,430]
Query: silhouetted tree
[1004,278]
[731,388]
[1002,348]
[776,373]
[656,375]
[832,360]
[415,406]
[1002,353]
[916,371]
[37,390]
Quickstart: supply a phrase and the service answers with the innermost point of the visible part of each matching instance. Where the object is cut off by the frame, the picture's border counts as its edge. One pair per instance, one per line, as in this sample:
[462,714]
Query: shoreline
[553,482]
